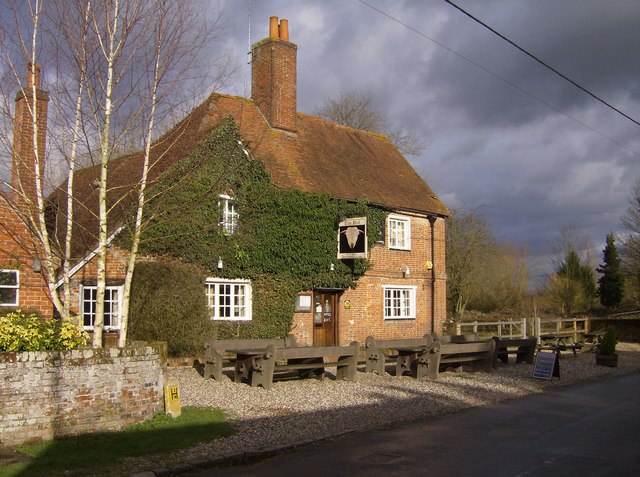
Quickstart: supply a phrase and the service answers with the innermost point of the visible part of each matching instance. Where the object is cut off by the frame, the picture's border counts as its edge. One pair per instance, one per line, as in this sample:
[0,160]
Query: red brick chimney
[273,76]
[23,177]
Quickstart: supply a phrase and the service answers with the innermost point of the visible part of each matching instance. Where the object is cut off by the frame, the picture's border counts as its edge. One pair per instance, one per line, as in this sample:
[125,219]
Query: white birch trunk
[133,252]
[105,145]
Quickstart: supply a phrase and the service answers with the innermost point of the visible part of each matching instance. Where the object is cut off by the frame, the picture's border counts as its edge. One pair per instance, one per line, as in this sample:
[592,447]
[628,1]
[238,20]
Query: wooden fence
[528,327]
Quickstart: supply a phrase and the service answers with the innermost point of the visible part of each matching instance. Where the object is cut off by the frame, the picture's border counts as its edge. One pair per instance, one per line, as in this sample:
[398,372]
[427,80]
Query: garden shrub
[168,303]
[20,331]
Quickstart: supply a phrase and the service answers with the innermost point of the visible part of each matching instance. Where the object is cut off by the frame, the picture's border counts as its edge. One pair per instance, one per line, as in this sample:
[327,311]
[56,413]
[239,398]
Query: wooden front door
[325,318]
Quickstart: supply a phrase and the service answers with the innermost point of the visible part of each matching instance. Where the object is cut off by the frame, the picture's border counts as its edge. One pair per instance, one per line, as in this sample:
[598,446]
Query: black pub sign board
[547,365]
[352,238]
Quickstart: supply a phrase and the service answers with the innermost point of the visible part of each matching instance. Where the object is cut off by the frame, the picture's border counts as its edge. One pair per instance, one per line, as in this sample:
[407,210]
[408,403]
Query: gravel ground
[300,411]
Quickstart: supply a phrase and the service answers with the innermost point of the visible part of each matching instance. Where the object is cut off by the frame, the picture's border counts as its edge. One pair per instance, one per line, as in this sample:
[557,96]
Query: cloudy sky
[505,136]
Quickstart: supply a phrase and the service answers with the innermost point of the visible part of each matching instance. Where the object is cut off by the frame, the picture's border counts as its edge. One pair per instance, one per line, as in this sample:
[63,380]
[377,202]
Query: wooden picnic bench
[411,355]
[477,355]
[219,353]
[307,360]
[523,348]
[559,342]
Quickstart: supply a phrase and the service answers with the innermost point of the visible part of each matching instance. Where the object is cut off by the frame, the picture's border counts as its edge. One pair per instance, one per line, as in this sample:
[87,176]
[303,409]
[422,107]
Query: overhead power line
[495,75]
[546,65]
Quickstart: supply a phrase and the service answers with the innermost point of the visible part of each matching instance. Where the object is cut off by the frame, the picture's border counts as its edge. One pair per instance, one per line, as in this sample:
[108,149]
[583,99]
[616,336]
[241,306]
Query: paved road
[586,430]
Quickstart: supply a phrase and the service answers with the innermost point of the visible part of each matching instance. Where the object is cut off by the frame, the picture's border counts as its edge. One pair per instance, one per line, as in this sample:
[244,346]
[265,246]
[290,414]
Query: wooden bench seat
[476,355]
[310,359]
[411,355]
[217,355]
[523,348]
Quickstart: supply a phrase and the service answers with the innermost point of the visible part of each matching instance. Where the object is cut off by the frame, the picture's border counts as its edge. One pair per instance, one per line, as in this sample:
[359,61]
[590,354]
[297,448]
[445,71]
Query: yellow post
[171,398]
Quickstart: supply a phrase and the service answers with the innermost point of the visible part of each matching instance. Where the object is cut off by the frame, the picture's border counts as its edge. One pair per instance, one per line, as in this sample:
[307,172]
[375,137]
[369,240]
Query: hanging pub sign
[352,238]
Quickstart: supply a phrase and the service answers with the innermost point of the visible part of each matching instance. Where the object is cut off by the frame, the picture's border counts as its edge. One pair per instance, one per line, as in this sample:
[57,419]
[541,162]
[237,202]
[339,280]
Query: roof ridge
[344,126]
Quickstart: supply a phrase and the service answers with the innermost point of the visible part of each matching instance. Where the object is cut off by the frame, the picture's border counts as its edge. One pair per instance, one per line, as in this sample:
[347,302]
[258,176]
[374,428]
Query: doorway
[325,318]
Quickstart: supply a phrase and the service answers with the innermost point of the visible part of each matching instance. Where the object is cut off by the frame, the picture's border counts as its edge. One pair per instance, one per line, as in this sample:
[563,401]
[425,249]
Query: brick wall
[56,393]
[17,251]
[365,314]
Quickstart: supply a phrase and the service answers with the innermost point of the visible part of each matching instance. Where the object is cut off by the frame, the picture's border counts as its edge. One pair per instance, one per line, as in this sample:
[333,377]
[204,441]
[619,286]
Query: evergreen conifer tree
[578,284]
[610,283]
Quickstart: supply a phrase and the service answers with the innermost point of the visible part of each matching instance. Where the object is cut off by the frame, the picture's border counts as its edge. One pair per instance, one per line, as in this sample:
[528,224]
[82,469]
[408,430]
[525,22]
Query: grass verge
[103,453]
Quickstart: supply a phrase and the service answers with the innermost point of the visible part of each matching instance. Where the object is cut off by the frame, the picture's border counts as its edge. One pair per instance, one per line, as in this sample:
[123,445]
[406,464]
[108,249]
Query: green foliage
[168,304]
[575,284]
[608,344]
[611,282]
[286,239]
[28,332]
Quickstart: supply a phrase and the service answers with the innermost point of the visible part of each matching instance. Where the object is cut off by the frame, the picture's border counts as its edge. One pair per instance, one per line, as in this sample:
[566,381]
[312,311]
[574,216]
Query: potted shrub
[606,350]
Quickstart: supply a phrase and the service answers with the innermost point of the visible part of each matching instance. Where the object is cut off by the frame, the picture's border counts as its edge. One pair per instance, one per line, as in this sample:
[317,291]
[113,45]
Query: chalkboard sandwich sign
[547,365]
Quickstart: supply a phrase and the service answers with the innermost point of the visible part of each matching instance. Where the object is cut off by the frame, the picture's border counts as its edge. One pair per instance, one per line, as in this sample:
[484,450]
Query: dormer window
[229,219]
[399,228]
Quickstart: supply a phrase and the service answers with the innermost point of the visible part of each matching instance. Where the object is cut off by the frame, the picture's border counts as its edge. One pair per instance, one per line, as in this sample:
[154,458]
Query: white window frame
[108,298]
[393,306]
[15,287]
[397,224]
[240,299]
[229,219]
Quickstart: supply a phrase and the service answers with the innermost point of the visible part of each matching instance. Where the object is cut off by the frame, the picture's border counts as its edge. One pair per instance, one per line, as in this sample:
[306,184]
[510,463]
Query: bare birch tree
[127,58]
[24,37]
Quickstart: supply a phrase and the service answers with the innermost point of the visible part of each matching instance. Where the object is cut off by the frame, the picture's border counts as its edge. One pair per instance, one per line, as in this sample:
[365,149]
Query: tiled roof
[320,156]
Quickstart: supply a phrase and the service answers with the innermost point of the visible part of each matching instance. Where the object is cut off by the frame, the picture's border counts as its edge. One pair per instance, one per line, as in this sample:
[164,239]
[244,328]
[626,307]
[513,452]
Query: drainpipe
[432,222]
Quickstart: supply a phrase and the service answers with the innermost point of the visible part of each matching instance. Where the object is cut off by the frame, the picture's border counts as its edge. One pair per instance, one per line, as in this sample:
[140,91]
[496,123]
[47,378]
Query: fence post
[524,328]
[537,329]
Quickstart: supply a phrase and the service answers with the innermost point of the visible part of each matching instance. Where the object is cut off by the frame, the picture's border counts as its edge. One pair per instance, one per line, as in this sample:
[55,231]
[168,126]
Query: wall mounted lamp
[406,271]
[332,268]
[220,264]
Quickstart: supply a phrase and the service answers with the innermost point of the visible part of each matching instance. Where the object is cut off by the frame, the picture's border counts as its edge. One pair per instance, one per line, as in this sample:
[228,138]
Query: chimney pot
[273,28]
[284,29]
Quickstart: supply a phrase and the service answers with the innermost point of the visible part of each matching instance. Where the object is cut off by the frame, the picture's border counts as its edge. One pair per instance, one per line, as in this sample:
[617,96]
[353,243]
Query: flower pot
[610,360]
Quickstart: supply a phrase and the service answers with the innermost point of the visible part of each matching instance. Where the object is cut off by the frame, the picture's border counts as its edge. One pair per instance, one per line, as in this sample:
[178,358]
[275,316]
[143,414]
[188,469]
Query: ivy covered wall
[285,242]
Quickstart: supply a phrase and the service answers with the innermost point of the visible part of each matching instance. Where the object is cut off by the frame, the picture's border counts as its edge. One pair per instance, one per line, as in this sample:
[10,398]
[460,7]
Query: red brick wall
[365,316]
[273,81]
[17,251]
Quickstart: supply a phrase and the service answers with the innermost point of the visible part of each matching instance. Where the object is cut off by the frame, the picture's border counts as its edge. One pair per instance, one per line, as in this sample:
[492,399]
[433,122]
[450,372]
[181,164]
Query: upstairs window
[9,287]
[229,219]
[112,299]
[399,232]
[399,302]
[229,299]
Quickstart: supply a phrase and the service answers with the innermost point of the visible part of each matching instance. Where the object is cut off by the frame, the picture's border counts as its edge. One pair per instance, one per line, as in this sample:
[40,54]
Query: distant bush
[168,303]
[20,331]
[608,344]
